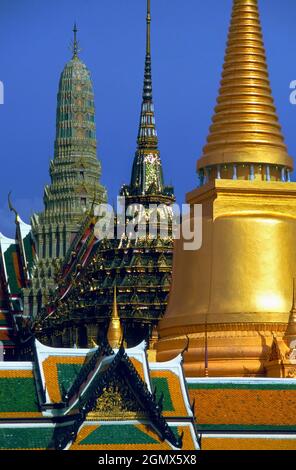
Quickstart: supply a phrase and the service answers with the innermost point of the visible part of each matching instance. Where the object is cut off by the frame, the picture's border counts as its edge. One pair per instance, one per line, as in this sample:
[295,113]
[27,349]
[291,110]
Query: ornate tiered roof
[17,258]
[81,398]
[140,268]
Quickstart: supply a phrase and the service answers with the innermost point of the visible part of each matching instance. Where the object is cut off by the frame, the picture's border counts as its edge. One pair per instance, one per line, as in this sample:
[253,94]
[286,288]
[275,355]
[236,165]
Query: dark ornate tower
[140,268]
[74,171]
[147,183]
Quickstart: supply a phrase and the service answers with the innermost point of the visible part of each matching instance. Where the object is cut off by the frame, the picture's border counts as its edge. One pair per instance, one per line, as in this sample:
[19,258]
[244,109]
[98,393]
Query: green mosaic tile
[67,374]
[18,395]
[25,438]
[117,434]
[162,386]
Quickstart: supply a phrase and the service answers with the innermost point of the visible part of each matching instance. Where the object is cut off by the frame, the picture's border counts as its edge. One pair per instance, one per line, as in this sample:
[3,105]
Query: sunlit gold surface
[245,126]
[240,281]
[115,333]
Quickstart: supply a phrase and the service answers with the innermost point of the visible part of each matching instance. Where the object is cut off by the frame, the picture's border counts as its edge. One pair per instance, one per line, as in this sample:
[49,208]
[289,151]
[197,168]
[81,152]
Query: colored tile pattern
[244,406]
[144,438]
[118,435]
[188,443]
[18,396]
[13,269]
[168,383]
[54,367]
[209,443]
[105,438]
[67,374]
[139,367]
[34,438]
[162,387]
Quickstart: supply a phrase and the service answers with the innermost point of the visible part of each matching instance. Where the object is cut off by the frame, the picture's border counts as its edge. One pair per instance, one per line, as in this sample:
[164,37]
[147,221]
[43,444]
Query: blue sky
[188,44]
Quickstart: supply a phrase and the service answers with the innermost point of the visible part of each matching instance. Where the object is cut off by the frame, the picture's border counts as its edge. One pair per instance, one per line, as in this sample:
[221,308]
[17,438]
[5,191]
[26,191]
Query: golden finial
[152,345]
[245,126]
[154,337]
[115,333]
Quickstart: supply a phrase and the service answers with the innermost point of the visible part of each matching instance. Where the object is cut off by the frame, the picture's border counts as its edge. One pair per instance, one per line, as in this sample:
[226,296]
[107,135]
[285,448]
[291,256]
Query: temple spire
[115,333]
[147,137]
[75,41]
[147,171]
[245,127]
[147,176]
[148,30]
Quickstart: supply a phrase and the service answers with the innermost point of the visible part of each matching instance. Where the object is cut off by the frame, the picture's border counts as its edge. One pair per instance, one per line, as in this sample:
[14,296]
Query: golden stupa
[233,296]
[115,332]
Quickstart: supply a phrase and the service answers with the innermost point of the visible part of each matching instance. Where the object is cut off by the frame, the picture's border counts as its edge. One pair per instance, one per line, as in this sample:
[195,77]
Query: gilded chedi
[232,297]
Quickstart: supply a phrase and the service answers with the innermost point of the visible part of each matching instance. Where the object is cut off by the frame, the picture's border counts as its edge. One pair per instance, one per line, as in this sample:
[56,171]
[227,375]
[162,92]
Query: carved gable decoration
[117,400]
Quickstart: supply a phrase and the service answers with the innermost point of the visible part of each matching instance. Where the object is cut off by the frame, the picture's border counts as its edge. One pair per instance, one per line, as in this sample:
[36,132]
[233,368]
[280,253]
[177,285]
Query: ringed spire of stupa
[245,128]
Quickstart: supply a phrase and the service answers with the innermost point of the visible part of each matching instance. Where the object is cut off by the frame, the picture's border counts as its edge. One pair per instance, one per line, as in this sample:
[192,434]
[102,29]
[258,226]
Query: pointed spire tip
[148,32]
[75,42]
[115,331]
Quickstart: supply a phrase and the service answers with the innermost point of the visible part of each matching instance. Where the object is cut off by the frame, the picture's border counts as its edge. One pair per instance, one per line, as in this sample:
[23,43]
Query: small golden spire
[152,345]
[115,333]
[154,337]
[245,126]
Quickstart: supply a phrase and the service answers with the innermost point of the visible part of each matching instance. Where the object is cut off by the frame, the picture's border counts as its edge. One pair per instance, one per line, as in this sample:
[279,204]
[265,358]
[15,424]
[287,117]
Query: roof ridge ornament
[12,208]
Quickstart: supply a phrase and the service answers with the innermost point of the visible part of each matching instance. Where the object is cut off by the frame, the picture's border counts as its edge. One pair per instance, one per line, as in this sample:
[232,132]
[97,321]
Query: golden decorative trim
[180,332]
